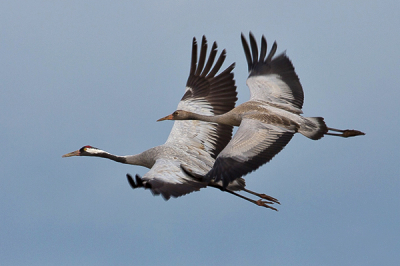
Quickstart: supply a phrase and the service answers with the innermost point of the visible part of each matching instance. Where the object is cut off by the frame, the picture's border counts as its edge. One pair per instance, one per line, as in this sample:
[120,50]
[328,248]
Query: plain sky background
[100,73]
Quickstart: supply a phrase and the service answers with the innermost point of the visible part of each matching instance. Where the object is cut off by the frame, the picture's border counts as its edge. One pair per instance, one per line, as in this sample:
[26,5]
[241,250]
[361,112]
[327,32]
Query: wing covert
[253,145]
[167,178]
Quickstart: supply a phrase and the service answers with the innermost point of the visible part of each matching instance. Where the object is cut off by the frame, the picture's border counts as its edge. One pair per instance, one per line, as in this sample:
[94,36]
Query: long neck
[103,154]
[137,159]
[226,119]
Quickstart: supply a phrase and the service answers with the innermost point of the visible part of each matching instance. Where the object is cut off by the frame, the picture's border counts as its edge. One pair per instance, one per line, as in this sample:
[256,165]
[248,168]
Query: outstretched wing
[209,94]
[254,144]
[195,143]
[272,79]
[167,178]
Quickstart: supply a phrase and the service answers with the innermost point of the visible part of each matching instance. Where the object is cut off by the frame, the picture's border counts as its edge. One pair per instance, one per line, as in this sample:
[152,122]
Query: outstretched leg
[260,202]
[345,133]
[263,196]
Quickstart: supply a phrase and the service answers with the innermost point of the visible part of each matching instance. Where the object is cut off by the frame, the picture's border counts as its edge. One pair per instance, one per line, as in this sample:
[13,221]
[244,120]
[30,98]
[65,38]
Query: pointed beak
[74,153]
[168,117]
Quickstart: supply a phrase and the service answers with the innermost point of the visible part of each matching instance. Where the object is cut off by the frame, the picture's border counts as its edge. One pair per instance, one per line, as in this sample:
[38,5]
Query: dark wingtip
[272,52]
[139,182]
[131,182]
[263,51]
[193,62]
[254,47]
[215,45]
[247,53]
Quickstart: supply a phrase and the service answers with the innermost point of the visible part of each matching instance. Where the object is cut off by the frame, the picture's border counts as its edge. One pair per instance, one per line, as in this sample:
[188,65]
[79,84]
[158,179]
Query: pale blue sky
[101,73]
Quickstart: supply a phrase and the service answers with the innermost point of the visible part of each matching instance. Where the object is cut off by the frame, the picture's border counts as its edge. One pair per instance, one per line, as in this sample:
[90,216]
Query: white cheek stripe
[94,151]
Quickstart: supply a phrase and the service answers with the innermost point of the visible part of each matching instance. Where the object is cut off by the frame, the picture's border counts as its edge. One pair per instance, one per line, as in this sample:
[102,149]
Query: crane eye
[85,148]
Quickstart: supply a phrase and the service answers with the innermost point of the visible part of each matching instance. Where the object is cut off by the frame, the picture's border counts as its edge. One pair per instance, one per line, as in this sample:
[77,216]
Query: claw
[269,198]
[263,203]
[345,133]
[352,133]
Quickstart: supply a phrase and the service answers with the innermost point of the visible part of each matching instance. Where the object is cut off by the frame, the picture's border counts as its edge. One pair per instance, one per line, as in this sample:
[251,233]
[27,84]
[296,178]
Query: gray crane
[267,122]
[191,145]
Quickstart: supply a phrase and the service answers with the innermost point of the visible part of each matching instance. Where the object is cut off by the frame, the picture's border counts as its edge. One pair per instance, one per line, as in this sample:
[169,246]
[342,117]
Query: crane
[267,122]
[191,145]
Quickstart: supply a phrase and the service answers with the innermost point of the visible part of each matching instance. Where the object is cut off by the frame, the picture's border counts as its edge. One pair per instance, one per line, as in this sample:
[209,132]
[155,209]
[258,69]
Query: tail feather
[314,128]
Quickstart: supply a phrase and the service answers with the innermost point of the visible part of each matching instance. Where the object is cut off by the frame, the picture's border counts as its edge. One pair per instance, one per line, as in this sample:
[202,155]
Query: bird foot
[351,133]
[269,198]
[264,203]
[345,133]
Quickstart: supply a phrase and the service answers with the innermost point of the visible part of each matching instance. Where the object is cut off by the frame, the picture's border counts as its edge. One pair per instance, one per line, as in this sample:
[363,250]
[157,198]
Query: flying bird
[268,121]
[191,145]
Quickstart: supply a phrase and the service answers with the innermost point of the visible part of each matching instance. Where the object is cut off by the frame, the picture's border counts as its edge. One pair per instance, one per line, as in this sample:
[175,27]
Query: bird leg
[139,182]
[263,196]
[260,202]
[345,133]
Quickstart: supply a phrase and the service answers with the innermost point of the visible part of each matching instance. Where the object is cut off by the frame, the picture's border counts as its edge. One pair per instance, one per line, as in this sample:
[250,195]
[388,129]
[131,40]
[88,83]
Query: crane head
[178,115]
[84,151]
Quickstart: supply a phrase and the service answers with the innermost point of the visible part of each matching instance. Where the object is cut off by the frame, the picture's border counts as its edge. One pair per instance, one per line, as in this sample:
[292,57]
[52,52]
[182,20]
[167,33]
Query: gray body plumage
[193,145]
[268,121]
